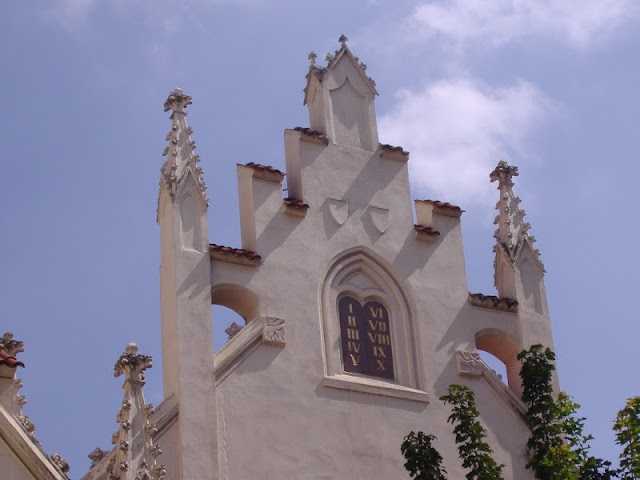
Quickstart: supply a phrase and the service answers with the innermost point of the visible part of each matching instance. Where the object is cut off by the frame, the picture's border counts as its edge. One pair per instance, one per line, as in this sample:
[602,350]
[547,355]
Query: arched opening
[233,306]
[495,364]
[505,349]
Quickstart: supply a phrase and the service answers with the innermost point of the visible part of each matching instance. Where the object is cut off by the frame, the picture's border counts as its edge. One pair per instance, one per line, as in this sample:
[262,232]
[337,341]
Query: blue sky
[551,86]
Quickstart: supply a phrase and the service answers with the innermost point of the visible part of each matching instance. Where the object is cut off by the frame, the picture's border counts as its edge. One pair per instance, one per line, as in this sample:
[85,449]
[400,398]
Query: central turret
[341,98]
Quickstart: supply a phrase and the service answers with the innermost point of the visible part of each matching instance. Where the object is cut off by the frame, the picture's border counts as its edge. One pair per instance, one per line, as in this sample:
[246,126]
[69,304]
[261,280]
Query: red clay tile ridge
[393,153]
[312,135]
[294,203]
[427,234]
[492,302]
[444,208]
[293,206]
[8,350]
[265,172]
[239,256]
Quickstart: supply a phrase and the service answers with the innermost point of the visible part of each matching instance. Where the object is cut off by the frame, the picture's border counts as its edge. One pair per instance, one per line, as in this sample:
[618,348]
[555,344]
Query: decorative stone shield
[379,217]
[339,210]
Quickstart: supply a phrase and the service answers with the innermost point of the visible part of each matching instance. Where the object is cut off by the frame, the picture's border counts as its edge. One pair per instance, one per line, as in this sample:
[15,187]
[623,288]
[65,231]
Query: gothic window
[369,336]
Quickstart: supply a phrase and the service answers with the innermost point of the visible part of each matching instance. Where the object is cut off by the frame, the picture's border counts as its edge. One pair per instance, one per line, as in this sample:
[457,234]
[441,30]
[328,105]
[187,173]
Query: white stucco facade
[277,402]
[356,307]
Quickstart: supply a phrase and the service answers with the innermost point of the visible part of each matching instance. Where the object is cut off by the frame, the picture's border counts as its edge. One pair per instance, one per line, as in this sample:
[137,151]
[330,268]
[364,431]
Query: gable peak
[332,59]
[340,97]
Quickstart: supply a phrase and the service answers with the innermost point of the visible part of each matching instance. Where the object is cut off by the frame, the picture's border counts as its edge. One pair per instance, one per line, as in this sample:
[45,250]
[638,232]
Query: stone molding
[261,331]
[374,387]
[273,332]
[469,363]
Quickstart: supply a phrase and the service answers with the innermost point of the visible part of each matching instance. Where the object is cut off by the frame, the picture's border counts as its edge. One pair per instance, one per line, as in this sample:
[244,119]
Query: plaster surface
[276,401]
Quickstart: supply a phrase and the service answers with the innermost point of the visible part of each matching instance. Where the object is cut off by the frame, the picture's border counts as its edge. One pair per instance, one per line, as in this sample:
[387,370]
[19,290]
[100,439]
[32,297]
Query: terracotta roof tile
[391,148]
[10,361]
[393,153]
[426,230]
[309,132]
[264,168]
[439,204]
[491,301]
[295,203]
[237,252]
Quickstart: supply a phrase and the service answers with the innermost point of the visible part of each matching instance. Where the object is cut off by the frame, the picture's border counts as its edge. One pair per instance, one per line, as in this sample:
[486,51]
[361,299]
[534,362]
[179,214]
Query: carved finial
[96,456]
[181,158]
[232,330]
[329,58]
[503,173]
[131,364]
[177,101]
[60,462]
[312,58]
[8,350]
[10,346]
[343,40]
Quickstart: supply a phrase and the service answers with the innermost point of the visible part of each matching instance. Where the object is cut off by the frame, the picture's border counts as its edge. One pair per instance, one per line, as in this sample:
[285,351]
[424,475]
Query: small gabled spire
[512,232]
[339,94]
[181,159]
[135,453]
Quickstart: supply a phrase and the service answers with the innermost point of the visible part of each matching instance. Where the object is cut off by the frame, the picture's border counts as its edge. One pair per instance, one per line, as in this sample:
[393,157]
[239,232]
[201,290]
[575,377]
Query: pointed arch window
[369,335]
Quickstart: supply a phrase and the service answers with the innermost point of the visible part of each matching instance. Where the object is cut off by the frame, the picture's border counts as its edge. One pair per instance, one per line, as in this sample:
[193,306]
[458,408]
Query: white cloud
[581,23]
[70,13]
[457,131]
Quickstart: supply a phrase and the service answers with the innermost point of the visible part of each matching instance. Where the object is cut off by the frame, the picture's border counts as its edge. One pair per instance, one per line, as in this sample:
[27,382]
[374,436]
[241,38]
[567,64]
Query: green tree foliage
[551,457]
[586,466]
[423,461]
[627,428]
[475,452]
[558,447]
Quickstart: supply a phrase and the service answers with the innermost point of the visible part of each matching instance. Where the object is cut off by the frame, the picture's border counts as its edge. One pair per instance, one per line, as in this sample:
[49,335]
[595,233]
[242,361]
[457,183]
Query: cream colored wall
[280,420]
[284,407]
[11,468]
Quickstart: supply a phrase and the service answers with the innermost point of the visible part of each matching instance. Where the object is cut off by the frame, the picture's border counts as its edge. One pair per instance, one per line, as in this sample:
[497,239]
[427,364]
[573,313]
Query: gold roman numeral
[379,352]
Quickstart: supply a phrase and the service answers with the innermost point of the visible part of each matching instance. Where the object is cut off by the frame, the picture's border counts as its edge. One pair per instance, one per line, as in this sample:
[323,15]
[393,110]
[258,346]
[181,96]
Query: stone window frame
[383,287]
